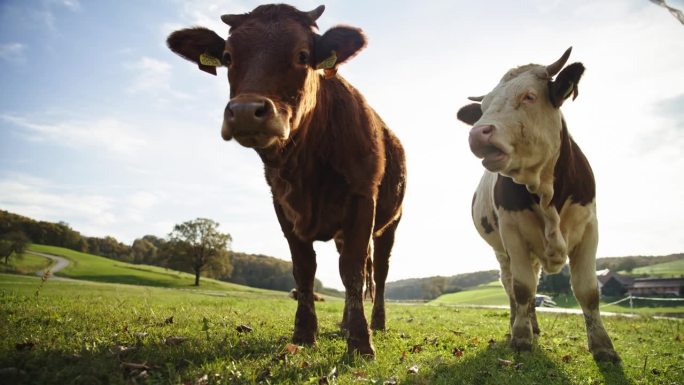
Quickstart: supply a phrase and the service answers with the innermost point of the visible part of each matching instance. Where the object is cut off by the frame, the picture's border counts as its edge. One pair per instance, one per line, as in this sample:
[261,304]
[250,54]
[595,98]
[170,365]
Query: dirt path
[59,264]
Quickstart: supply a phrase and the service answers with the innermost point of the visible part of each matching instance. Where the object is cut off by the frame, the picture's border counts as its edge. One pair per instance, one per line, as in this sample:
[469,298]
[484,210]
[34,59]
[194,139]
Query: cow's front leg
[304,271]
[357,230]
[524,285]
[585,288]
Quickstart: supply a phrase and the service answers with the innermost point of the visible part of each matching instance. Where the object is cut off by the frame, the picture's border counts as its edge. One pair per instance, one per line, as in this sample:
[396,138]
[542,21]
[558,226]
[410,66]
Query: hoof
[609,356]
[521,344]
[379,325]
[366,351]
[304,339]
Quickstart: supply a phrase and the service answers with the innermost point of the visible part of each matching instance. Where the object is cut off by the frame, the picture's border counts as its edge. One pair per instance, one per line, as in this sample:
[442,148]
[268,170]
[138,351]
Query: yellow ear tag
[328,63]
[208,60]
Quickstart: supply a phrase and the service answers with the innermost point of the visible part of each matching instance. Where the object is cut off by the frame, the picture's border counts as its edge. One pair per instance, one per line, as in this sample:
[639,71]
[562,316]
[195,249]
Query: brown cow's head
[273,56]
[517,127]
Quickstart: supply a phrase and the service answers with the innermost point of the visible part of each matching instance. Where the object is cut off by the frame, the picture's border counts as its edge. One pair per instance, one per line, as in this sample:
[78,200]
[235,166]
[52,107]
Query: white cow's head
[517,127]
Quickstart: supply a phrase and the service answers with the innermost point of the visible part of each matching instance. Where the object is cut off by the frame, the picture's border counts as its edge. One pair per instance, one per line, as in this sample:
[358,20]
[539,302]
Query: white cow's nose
[479,139]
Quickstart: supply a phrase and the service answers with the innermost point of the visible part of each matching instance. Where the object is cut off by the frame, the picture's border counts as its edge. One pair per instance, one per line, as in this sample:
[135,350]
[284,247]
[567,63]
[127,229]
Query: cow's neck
[573,177]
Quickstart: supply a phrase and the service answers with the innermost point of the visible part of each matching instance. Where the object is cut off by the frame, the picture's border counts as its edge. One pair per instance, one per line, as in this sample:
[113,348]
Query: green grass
[490,294]
[26,264]
[667,269]
[493,294]
[77,332]
[93,268]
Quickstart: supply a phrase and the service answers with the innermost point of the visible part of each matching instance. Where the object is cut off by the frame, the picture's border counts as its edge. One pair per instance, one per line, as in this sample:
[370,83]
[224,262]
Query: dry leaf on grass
[509,363]
[174,340]
[244,329]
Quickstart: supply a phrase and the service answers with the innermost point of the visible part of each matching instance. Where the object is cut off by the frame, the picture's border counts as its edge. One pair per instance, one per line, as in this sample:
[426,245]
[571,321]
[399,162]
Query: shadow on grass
[127,279]
[500,365]
[613,374]
[234,359]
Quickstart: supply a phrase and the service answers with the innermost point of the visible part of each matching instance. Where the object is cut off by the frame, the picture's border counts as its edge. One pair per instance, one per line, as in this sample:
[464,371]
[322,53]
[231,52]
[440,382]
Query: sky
[104,128]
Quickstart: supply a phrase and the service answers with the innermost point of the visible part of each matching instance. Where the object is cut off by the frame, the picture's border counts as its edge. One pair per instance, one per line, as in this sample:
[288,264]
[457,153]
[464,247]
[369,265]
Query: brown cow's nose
[249,111]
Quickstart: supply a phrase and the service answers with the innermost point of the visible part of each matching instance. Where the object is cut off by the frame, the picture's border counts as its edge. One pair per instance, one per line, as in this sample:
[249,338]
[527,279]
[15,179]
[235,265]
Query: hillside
[89,267]
[632,262]
[258,271]
[433,287]
[666,269]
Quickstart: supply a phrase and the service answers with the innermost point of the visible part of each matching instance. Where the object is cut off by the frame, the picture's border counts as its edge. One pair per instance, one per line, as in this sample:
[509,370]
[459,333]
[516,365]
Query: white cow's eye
[529,97]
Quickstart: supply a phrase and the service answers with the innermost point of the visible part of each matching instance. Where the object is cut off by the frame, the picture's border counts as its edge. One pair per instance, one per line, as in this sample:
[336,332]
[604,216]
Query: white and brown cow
[535,204]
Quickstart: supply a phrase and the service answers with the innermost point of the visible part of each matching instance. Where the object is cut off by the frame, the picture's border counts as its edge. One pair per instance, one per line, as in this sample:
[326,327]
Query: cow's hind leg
[532,309]
[381,256]
[507,281]
[585,288]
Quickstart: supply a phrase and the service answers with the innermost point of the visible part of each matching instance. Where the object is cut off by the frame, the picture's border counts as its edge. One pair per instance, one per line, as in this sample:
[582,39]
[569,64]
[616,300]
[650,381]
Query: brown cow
[335,170]
[535,204]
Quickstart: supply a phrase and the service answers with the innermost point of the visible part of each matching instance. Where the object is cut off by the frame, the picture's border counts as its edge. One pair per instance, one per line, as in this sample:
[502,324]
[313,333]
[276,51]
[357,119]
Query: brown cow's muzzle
[494,158]
[254,121]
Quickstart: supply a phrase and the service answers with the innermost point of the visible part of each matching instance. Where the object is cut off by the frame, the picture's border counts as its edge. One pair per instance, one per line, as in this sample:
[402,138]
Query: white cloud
[153,76]
[41,199]
[104,134]
[108,211]
[13,52]
[73,5]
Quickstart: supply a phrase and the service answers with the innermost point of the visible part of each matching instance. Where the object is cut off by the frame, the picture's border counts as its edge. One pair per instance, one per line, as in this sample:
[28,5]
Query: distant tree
[629,265]
[14,242]
[199,245]
[143,251]
[558,283]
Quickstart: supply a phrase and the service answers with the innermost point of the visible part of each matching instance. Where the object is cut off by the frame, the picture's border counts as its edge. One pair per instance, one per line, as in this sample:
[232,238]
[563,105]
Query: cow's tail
[370,280]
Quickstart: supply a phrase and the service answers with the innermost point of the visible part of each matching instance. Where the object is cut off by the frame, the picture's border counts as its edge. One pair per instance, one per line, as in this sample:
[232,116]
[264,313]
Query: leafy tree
[558,283]
[264,272]
[143,251]
[199,245]
[14,242]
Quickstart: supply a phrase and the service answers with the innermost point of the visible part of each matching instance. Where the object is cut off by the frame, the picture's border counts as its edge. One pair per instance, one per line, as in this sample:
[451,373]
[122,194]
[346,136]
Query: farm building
[657,286]
[613,284]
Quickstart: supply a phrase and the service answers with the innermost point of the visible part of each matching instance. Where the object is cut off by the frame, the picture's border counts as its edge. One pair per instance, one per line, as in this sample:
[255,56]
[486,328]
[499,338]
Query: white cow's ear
[565,84]
[470,113]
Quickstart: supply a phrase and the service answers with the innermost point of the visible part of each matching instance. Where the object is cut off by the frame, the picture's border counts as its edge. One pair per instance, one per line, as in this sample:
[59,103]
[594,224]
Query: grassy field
[493,294]
[668,269]
[27,264]
[93,268]
[73,332]
[489,294]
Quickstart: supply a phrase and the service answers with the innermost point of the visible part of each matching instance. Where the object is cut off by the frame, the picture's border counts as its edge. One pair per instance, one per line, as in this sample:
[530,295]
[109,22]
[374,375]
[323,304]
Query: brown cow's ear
[199,45]
[470,113]
[565,84]
[336,46]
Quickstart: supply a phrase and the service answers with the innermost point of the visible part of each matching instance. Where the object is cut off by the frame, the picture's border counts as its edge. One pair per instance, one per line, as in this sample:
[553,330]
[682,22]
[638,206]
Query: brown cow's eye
[226,59]
[303,58]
